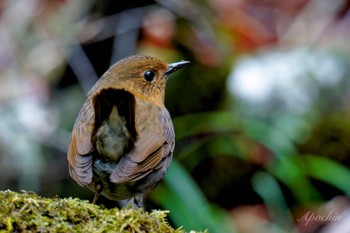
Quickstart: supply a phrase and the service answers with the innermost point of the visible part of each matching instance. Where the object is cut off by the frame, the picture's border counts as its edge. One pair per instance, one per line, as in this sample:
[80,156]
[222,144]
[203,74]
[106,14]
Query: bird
[123,139]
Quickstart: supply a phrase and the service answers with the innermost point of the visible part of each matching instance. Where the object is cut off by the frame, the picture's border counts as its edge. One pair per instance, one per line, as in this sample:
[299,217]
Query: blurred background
[262,114]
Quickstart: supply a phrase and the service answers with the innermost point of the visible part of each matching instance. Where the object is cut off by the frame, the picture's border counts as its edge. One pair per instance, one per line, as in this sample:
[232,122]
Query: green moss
[28,212]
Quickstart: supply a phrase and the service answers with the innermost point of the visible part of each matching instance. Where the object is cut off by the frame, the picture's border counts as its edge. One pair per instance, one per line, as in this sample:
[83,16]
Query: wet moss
[28,212]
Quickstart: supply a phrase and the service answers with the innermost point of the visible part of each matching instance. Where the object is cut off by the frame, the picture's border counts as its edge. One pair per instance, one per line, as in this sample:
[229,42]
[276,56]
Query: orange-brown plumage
[123,138]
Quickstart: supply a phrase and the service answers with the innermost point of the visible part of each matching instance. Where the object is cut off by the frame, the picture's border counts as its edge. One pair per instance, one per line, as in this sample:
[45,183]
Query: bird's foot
[97,193]
[138,200]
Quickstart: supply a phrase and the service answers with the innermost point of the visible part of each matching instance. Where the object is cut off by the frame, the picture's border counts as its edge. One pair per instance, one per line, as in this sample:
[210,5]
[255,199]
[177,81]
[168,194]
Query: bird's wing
[149,150]
[80,150]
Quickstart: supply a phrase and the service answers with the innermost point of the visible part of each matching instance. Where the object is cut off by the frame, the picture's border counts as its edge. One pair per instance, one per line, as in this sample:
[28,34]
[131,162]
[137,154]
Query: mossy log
[28,212]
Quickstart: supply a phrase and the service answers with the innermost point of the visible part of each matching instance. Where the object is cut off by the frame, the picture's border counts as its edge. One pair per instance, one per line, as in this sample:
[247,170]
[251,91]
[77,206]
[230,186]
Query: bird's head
[143,76]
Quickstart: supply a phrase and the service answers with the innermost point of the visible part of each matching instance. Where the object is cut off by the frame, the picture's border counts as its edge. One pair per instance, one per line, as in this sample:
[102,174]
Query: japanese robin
[123,138]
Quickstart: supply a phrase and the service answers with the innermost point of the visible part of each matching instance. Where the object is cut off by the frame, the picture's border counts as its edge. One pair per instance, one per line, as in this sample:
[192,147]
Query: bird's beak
[172,67]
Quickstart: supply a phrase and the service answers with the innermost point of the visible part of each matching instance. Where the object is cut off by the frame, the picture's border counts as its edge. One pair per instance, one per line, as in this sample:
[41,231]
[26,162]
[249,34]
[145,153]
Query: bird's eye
[149,76]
